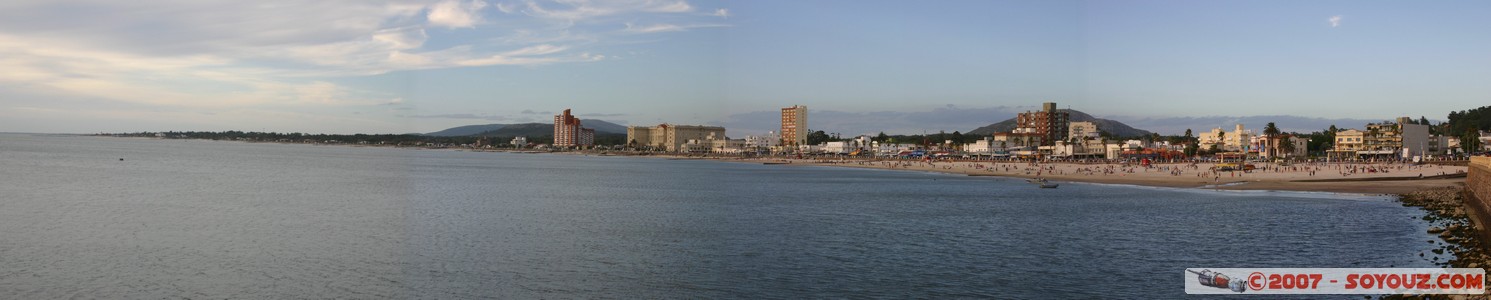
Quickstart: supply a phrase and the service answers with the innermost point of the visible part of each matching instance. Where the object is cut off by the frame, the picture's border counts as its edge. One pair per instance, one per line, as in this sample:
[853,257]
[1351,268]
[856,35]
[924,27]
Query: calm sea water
[207,219]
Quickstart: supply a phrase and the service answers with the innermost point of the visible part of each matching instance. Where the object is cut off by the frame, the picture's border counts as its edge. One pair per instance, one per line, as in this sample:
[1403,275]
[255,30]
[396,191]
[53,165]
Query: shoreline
[1366,184]
[1386,184]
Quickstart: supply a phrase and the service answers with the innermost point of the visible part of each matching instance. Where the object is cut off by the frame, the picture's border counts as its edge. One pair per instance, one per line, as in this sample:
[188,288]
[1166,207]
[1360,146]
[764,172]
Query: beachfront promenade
[1366,178]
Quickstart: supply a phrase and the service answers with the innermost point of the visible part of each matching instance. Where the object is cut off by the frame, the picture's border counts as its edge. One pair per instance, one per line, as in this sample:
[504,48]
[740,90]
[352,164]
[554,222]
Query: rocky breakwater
[1455,221]
[1446,211]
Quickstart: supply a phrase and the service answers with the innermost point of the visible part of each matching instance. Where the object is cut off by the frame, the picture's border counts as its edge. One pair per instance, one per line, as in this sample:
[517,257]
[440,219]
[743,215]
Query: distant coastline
[1397,181]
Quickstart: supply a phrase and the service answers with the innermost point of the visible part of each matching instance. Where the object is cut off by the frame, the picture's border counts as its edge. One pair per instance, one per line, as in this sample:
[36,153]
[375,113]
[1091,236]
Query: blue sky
[345,66]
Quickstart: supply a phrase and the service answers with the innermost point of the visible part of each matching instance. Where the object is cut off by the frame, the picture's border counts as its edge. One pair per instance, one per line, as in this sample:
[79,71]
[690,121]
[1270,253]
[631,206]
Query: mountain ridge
[523,129]
[1112,127]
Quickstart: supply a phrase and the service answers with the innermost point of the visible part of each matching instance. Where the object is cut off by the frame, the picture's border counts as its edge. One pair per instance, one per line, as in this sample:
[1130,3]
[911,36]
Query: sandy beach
[1363,178]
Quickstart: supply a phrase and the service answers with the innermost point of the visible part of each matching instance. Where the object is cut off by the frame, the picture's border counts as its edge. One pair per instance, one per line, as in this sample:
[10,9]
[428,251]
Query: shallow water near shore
[209,219]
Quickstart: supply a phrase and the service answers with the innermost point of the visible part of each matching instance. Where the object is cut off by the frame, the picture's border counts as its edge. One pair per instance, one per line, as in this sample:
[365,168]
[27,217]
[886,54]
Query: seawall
[1478,193]
[1479,180]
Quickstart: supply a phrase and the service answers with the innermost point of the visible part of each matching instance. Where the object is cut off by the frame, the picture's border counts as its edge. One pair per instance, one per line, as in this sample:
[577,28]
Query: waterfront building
[671,138]
[1388,139]
[1347,143]
[1085,148]
[1018,140]
[858,144]
[1349,140]
[1049,123]
[1272,146]
[1383,138]
[889,149]
[639,137]
[568,132]
[795,126]
[1414,139]
[983,146]
[729,146]
[839,147]
[519,142]
[1439,145]
[1239,139]
[1077,130]
[1485,140]
[767,141]
[1395,139]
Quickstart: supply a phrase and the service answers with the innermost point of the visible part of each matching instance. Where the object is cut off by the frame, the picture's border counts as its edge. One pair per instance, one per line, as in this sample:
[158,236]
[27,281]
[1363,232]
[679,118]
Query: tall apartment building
[1048,123]
[568,132]
[794,126]
[671,138]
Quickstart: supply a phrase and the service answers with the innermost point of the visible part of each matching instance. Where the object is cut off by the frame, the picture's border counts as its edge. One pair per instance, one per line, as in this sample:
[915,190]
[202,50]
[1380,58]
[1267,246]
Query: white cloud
[505,8]
[653,28]
[282,53]
[535,50]
[673,7]
[581,10]
[723,13]
[661,27]
[456,13]
[1335,21]
[402,38]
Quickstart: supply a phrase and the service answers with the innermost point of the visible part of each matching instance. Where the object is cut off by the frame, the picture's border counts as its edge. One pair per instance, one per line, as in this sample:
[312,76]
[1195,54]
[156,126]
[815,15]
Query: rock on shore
[1446,212]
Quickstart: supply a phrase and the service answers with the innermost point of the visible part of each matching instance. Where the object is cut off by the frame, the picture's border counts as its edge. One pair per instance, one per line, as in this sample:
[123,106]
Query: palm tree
[1221,139]
[1271,134]
[1285,145]
[1105,147]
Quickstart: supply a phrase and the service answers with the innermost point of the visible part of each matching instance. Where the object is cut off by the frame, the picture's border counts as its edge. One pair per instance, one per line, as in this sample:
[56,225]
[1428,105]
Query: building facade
[1349,140]
[568,132]
[1018,140]
[1388,139]
[1078,130]
[1048,123]
[1272,147]
[764,142]
[1239,139]
[672,138]
[795,126]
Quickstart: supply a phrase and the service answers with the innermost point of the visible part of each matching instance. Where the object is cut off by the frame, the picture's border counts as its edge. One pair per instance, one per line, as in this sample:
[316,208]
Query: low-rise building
[519,142]
[1080,130]
[1388,140]
[982,146]
[762,142]
[888,149]
[1236,140]
[1349,140]
[1086,148]
[1018,140]
[671,138]
[1485,140]
[1439,145]
[1272,146]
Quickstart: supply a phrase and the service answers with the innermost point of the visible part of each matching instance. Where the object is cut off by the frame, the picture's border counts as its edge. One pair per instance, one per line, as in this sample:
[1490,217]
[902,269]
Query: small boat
[1049,185]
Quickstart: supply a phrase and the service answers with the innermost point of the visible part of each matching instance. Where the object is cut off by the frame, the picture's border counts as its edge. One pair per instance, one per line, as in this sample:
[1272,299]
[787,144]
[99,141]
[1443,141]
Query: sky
[405,66]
